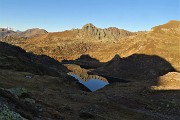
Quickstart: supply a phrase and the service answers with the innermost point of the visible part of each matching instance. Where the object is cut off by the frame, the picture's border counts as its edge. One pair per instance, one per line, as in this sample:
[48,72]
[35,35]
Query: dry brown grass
[163,40]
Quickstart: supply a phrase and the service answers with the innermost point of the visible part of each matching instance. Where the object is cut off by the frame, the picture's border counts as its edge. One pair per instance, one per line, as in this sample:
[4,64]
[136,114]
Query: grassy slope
[163,40]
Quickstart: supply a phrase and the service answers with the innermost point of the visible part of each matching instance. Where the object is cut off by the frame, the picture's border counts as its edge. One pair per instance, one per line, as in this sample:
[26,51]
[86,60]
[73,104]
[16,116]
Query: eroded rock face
[169,81]
[111,33]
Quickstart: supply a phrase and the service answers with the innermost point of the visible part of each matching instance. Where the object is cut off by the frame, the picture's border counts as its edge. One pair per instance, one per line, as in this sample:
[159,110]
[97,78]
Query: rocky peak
[112,33]
[88,27]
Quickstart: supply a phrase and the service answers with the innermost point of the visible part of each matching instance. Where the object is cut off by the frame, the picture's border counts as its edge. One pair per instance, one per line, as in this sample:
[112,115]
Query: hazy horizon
[57,15]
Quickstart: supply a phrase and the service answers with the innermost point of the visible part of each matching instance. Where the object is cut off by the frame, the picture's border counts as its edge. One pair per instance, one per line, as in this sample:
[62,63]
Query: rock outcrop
[92,32]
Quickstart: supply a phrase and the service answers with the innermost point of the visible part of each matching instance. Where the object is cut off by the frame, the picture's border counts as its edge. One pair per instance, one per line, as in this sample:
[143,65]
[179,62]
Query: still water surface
[93,82]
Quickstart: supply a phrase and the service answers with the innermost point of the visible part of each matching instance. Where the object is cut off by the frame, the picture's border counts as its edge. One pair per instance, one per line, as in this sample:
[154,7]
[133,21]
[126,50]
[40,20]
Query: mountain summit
[111,33]
[32,32]
[88,27]
[171,26]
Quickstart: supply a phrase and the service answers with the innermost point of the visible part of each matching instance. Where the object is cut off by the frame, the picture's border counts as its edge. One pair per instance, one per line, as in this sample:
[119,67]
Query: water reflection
[93,82]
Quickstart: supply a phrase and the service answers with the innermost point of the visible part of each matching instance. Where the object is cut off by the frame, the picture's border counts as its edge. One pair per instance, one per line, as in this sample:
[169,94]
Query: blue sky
[59,15]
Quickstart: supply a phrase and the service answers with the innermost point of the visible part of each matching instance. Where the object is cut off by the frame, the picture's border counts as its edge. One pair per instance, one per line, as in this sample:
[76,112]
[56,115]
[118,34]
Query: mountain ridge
[71,44]
[33,32]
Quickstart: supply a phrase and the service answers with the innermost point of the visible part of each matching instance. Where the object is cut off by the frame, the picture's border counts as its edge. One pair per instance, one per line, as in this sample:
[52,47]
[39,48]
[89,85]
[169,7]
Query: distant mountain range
[28,33]
[87,31]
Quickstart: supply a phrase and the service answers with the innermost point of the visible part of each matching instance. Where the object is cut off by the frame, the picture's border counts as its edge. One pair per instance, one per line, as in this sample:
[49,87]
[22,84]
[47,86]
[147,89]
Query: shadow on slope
[135,67]
[85,61]
[16,59]
[13,57]
[39,76]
